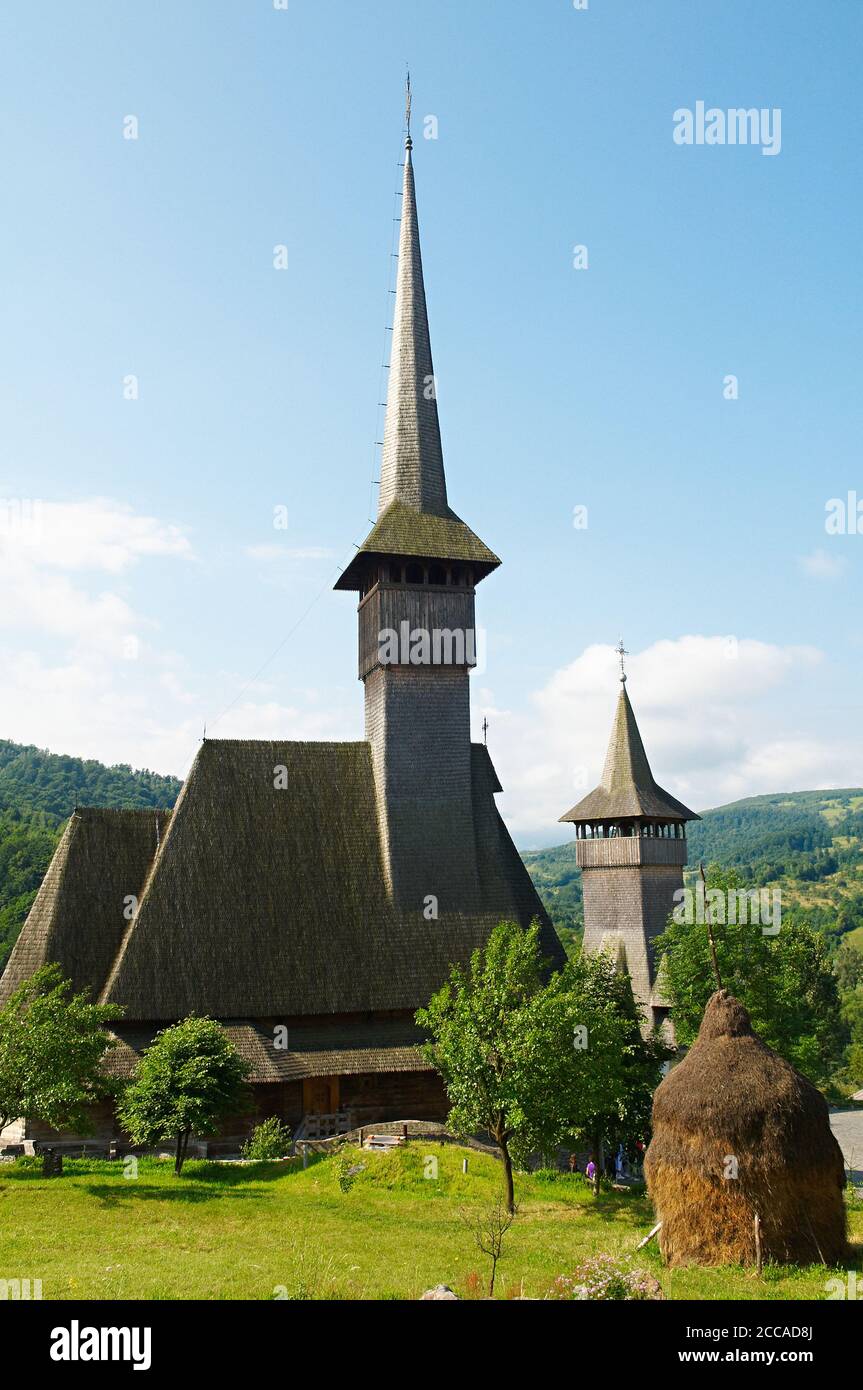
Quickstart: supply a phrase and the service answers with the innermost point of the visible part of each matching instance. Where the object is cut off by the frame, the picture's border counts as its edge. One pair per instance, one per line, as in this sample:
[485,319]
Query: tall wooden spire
[414,518]
[412,468]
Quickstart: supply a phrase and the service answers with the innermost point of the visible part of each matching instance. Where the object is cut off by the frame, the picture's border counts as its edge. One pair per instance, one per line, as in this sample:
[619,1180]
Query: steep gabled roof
[627,787]
[77,919]
[269,901]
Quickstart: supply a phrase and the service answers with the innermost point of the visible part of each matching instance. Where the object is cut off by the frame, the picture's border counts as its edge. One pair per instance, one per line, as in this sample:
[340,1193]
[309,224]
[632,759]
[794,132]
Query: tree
[786,982]
[852,1012]
[848,966]
[527,1057]
[488,1229]
[51,1047]
[622,1110]
[189,1079]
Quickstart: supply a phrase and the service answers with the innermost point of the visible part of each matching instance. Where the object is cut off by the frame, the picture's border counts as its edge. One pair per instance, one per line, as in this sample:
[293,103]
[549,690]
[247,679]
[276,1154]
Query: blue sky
[157,588]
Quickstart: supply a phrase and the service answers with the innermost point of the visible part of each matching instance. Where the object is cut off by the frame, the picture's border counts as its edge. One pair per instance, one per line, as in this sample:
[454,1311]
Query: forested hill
[32,779]
[809,843]
[38,791]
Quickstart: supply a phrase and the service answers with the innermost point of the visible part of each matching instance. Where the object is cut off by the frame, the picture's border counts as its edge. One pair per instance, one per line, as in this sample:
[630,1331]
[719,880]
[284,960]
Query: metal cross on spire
[408,141]
[621,652]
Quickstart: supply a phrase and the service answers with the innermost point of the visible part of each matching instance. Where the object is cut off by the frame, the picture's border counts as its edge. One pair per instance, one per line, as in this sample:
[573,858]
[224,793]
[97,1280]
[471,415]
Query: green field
[272,1230]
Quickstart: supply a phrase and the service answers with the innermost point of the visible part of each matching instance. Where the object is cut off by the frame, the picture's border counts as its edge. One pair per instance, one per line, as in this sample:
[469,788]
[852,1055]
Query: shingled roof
[405,533]
[358,1048]
[262,902]
[100,864]
[414,518]
[627,787]
[412,461]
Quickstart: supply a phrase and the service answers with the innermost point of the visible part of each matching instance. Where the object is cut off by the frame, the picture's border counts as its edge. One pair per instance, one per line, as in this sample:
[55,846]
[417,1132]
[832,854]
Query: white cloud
[95,534]
[820,565]
[709,710]
[40,540]
[138,715]
[78,674]
[274,720]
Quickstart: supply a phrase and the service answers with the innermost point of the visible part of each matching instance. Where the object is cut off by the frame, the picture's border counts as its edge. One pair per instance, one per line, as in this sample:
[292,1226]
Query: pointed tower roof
[414,518]
[412,466]
[627,787]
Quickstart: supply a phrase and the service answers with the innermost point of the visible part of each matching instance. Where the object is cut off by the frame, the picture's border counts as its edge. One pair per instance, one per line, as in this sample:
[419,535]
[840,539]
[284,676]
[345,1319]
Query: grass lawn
[272,1230]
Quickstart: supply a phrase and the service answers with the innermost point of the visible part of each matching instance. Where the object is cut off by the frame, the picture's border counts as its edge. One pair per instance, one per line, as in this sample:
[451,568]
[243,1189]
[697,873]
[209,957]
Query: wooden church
[311,896]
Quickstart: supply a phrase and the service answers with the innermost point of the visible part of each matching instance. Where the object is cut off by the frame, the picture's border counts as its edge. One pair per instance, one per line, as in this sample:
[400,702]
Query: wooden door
[320,1095]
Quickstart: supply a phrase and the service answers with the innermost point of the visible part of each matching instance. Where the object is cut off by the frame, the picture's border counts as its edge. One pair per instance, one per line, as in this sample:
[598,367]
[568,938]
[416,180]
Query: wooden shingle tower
[631,848]
[416,575]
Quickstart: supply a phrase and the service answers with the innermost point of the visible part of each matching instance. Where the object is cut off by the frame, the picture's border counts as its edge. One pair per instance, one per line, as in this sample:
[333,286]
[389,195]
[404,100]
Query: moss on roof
[404,531]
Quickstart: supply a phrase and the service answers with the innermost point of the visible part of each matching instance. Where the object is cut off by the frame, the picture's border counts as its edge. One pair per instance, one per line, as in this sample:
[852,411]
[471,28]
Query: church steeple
[627,787]
[412,465]
[414,517]
[416,573]
[631,848]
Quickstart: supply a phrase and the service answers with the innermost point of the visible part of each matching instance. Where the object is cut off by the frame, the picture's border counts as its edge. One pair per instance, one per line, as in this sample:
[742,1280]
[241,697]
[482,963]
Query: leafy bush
[345,1172]
[269,1139]
[605,1277]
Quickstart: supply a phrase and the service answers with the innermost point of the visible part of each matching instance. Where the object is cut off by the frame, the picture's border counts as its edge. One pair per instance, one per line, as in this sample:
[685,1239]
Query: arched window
[455,575]
[415,574]
[437,574]
[395,573]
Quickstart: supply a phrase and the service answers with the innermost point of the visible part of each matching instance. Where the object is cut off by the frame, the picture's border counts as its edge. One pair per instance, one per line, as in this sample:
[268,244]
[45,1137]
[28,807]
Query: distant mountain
[38,791]
[33,779]
[808,843]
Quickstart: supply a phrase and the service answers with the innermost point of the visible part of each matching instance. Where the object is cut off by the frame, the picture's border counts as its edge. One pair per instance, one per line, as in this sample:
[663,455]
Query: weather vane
[621,652]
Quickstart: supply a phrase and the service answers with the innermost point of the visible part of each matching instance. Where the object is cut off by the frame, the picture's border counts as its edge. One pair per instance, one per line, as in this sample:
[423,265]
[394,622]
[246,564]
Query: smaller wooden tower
[631,848]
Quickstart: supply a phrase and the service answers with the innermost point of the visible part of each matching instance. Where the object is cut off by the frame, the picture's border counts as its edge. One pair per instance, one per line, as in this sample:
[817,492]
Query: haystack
[737,1132]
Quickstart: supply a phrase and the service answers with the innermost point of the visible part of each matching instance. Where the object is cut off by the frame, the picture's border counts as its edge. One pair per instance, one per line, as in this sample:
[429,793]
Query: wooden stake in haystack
[710,937]
[738,1133]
